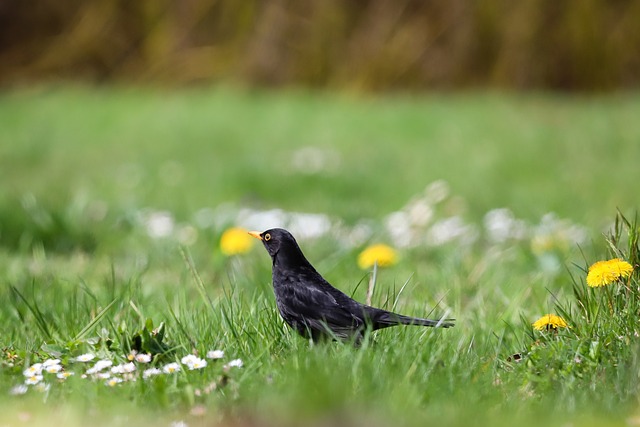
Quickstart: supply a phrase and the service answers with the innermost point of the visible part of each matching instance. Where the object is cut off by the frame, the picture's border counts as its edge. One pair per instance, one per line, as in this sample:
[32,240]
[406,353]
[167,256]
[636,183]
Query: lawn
[113,202]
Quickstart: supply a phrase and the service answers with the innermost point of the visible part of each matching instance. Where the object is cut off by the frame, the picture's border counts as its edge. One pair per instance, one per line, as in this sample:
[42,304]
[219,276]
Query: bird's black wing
[307,301]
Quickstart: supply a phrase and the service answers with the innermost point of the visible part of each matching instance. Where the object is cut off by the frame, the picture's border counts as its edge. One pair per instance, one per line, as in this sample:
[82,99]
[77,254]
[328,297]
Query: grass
[144,148]
[83,268]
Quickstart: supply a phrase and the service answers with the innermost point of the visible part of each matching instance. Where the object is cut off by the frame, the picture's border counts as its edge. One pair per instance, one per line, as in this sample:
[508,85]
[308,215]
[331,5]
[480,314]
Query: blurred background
[368,45]
[113,112]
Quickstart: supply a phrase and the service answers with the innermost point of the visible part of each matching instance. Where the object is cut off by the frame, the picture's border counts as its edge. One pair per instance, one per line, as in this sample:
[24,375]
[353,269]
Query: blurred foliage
[360,44]
[33,225]
[93,169]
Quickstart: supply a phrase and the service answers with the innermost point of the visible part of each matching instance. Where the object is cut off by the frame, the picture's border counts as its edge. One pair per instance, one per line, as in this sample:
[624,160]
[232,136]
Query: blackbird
[314,308]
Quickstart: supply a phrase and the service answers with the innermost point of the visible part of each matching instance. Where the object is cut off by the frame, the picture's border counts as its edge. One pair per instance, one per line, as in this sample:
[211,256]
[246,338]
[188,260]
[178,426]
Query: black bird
[314,308]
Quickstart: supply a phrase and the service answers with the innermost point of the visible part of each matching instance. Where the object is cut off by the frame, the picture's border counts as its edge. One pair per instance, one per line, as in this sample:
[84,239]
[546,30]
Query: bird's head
[281,245]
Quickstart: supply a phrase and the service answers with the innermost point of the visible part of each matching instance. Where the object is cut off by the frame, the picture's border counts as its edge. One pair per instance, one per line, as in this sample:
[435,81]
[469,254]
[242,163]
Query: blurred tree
[362,44]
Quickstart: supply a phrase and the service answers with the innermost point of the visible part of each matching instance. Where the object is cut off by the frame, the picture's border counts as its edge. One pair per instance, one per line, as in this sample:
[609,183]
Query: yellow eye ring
[267,237]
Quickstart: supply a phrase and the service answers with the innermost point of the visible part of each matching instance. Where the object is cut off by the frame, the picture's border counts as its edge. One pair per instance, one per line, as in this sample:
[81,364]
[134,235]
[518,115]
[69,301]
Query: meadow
[114,201]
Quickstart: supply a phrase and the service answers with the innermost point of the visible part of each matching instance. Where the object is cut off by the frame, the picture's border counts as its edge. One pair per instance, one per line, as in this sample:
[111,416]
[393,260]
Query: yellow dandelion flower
[235,241]
[604,273]
[384,255]
[549,321]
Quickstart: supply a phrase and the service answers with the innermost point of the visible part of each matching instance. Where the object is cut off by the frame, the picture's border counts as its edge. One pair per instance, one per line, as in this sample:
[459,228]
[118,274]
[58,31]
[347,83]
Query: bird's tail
[384,319]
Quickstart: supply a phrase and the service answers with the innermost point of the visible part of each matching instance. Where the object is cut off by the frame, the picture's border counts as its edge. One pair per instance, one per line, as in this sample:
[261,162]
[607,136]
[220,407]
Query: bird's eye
[267,237]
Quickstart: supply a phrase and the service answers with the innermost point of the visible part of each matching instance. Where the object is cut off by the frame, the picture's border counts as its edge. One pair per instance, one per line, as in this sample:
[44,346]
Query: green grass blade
[89,326]
[41,322]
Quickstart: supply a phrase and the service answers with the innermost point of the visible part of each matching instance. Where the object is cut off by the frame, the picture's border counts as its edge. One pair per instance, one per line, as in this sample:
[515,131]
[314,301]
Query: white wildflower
[99,366]
[113,381]
[87,357]
[18,389]
[128,368]
[189,359]
[420,213]
[159,224]
[450,229]
[437,191]
[102,364]
[398,226]
[150,372]
[171,368]
[193,362]
[33,379]
[64,375]
[197,364]
[143,358]
[309,225]
[236,363]
[215,354]
[501,225]
[53,369]
[50,362]
[124,368]
[35,369]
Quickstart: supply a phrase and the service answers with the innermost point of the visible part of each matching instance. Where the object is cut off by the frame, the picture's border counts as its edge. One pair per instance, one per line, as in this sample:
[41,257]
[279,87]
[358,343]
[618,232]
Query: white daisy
[87,357]
[50,362]
[53,369]
[64,375]
[159,224]
[33,380]
[143,358]
[197,363]
[113,381]
[35,369]
[18,389]
[124,368]
[102,364]
[236,363]
[99,366]
[215,354]
[171,368]
[193,362]
[129,367]
[150,372]
[189,359]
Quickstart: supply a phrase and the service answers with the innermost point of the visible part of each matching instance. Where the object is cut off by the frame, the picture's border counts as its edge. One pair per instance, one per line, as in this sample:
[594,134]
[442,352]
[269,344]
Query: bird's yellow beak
[255,234]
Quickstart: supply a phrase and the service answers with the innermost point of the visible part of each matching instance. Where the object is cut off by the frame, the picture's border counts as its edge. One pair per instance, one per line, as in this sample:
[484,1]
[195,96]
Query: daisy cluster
[137,366]
[432,218]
